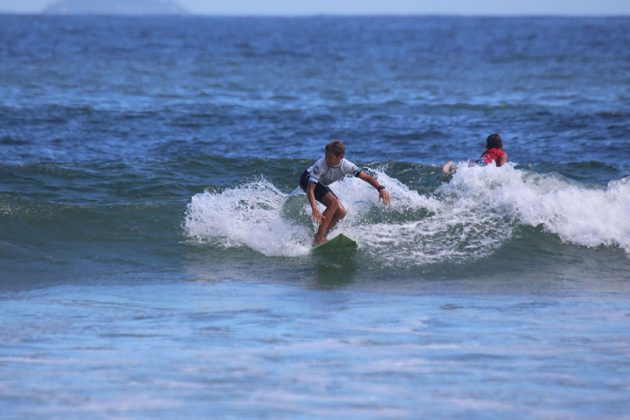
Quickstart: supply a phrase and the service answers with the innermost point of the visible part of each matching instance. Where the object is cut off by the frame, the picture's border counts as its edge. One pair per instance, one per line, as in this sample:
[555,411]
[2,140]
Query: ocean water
[154,246]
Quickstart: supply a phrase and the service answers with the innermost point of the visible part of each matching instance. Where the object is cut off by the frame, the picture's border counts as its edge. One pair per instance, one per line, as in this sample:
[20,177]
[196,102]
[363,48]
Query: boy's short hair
[494,141]
[336,147]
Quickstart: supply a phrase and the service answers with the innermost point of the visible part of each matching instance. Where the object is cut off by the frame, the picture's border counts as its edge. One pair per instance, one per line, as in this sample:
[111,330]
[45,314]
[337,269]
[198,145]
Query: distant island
[115,7]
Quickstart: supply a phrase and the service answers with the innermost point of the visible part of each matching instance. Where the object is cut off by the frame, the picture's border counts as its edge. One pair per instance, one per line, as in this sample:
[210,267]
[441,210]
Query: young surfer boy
[316,179]
[494,153]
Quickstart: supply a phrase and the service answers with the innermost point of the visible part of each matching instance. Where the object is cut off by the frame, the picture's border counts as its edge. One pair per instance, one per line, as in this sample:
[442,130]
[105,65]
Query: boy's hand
[317,216]
[383,195]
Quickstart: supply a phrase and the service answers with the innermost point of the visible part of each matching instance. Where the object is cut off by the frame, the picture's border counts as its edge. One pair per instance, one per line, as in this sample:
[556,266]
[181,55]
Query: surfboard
[340,243]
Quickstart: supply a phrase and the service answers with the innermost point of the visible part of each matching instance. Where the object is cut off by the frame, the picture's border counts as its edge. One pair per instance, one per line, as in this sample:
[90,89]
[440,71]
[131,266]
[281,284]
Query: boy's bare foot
[319,240]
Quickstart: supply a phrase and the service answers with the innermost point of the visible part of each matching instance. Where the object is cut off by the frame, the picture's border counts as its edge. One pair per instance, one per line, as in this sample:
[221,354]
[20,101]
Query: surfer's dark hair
[494,141]
[336,147]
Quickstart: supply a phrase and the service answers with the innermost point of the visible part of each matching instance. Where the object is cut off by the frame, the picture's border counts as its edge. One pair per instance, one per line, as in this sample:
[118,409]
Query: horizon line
[331,14]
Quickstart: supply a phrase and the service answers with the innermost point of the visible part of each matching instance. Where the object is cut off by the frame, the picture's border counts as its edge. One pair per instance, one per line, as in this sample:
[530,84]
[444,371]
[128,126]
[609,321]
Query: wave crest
[581,215]
[249,215]
[465,219]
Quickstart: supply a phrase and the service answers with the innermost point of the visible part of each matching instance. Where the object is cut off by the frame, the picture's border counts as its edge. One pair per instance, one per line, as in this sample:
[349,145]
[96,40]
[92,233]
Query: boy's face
[333,159]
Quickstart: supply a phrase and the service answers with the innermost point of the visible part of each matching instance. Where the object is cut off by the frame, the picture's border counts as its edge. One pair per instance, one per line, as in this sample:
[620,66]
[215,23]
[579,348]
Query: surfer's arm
[502,160]
[449,167]
[310,193]
[382,194]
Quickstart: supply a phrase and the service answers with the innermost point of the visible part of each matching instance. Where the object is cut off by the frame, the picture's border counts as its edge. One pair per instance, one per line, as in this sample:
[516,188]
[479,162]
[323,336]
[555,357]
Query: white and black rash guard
[326,175]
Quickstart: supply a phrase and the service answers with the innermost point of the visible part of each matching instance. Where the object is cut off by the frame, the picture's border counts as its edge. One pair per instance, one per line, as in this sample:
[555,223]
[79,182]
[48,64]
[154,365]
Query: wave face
[251,212]
[465,219]
[580,215]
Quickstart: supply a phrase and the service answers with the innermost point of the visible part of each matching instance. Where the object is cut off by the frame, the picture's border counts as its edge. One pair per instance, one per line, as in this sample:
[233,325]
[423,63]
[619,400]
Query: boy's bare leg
[332,205]
[339,214]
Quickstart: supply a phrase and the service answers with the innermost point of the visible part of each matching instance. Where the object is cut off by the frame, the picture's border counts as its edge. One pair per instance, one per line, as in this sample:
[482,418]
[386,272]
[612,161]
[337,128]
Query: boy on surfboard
[494,153]
[316,179]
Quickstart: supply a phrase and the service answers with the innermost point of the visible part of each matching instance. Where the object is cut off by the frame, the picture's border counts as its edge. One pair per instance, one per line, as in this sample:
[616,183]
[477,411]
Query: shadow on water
[335,269]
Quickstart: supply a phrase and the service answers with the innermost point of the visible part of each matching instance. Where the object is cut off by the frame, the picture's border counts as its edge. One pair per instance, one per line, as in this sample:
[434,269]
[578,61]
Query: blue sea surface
[155,247]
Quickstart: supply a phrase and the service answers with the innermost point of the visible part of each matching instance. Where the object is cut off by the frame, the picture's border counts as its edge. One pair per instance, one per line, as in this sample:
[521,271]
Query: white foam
[579,214]
[469,217]
[419,230]
[249,215]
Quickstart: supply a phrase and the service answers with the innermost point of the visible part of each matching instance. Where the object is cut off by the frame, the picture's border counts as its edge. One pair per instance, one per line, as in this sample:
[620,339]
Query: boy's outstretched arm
[316,214]
[382,194]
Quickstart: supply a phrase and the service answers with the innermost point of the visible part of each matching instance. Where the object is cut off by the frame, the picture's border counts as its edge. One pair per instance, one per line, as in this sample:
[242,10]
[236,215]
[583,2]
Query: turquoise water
[154,246]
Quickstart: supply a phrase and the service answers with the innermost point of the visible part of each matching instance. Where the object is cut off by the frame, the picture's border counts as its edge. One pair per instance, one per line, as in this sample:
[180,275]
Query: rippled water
[245,349]
[154,246]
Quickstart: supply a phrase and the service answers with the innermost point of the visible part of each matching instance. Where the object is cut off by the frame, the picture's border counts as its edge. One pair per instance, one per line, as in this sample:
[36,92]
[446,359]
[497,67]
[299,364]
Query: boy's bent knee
[333,203]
